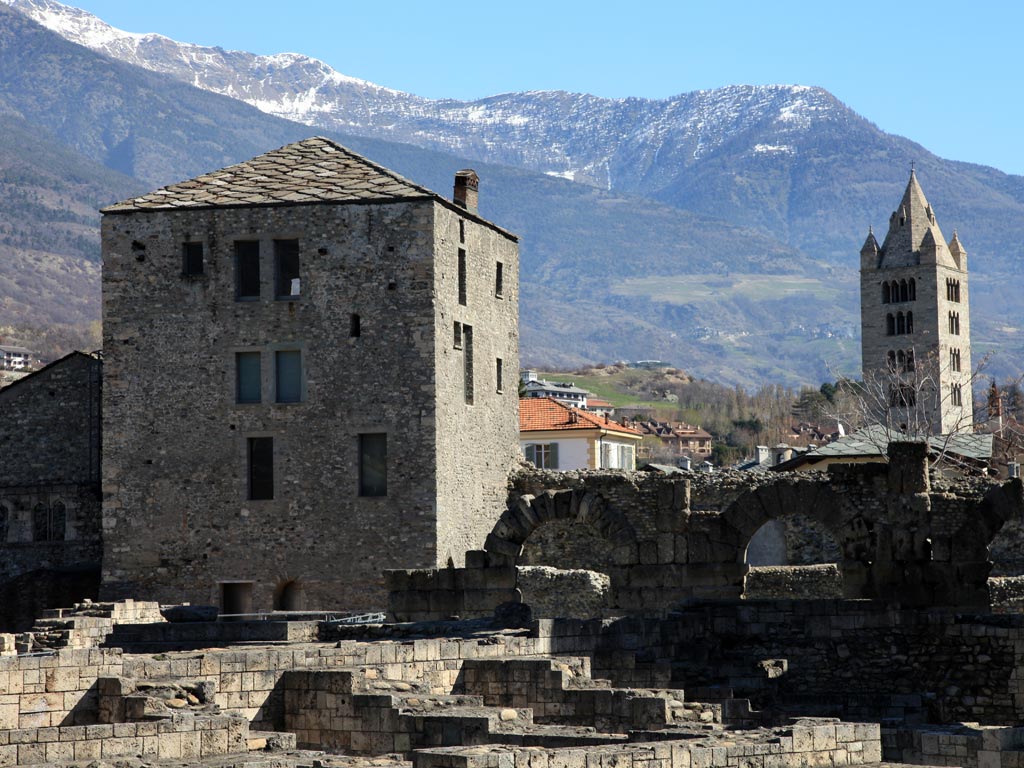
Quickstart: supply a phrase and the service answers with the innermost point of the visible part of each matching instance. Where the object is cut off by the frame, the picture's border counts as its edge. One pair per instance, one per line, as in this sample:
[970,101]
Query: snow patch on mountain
[591,140]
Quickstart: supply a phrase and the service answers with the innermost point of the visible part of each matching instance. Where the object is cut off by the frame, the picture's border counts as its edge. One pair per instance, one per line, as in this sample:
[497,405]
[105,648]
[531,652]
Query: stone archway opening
[564,542]
[793,556]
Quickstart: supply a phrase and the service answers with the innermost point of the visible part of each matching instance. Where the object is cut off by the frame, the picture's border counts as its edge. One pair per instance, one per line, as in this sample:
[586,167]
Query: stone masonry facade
[49,489]
[397,313]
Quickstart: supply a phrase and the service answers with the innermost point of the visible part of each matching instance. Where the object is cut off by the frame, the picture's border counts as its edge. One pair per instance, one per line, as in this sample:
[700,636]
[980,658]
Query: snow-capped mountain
[709,229]
[630,145]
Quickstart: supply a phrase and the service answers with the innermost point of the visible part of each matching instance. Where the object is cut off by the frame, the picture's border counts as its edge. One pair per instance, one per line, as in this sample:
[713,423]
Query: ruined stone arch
[1001,504]
[528,513]
[775,501]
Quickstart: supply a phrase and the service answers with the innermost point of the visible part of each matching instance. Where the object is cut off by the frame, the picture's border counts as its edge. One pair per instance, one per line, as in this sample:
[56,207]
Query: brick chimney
[467,184]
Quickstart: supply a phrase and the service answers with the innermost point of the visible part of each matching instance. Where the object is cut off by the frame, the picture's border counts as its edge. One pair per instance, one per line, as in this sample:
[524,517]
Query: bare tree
[909,400]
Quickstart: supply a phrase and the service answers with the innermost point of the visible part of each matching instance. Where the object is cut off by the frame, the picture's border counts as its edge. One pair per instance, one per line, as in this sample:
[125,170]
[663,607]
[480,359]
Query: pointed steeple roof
[955,246]
[309,171]
[911,226]
[870,244]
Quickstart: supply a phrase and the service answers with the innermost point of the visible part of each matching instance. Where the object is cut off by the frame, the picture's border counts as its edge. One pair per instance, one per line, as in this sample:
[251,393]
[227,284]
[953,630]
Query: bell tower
[915,322]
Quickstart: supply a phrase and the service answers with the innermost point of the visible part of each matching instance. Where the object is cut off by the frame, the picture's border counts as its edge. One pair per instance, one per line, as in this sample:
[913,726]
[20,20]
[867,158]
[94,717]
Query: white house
[556,436]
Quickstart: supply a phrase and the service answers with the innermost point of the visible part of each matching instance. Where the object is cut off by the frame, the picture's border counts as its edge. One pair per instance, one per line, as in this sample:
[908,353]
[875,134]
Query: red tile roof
[538,414]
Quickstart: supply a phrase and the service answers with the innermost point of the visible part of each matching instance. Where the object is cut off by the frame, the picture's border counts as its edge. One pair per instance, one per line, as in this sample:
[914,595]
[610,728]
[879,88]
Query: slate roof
[873,441]
[543,414]
[309,171]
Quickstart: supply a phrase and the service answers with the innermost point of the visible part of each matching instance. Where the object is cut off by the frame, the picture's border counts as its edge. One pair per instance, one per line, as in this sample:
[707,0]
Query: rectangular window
[286,266]
[191,259]
[627,458]
[355,326]
[543,455]
[467,345]
[462,276]
[288,376]
[247,269]
[261,468]
[457,338]
[462,231]
[247,377]
[373,464]
[498,375]
[499,280]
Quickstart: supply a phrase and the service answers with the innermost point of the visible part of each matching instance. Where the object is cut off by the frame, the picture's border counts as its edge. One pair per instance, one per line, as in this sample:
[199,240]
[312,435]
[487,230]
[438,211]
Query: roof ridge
[296,173]
[383,169]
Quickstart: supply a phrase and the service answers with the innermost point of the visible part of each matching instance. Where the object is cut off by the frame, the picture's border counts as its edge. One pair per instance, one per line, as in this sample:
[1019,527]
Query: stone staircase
[84,625]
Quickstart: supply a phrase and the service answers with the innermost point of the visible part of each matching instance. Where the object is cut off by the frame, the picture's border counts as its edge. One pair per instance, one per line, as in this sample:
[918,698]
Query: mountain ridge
[672,257]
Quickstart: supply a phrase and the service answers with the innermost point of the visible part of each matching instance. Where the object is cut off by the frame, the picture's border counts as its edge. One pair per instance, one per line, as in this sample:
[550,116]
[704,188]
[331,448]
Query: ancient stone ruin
[654,655]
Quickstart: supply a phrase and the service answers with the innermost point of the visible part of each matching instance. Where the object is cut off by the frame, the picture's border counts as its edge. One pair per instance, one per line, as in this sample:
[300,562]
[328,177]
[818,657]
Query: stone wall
[177,518]
[852,659]
[904,537]
[53,690]
[50,426]
[477,444]
[50,529]
[793,582]
[554,592]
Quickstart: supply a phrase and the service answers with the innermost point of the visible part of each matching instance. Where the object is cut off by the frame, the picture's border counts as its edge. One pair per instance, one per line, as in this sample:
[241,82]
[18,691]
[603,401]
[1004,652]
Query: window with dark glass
[542,455]
[286,261]
[191,259]
[288,367]
[261,468]
[248,388]
[247,269]
[373,464]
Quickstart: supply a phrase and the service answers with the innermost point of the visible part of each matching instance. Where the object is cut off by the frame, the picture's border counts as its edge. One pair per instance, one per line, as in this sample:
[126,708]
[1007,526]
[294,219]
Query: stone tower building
[915,323]
[311,377]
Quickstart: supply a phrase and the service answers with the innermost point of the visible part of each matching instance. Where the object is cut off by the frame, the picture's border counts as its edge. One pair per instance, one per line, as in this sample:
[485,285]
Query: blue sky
[949,75]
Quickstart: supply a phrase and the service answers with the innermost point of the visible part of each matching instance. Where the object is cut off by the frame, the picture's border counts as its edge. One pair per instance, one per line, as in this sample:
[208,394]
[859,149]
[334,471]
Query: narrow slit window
[457,336]
[191,259]
[286,259]
[467,345]
[261,468]
[498,375]
[247,269]
[248,388]
[355,327]
[373,464]
[462,276]
[499,280]
[288,366]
